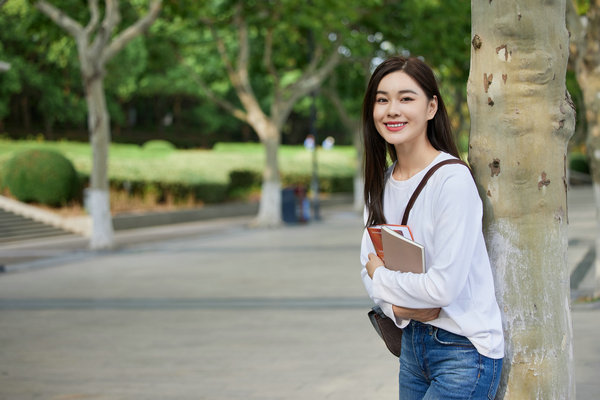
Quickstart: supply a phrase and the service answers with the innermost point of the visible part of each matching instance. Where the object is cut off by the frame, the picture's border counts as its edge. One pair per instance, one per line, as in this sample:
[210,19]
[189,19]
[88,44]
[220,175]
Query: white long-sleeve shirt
[446,220]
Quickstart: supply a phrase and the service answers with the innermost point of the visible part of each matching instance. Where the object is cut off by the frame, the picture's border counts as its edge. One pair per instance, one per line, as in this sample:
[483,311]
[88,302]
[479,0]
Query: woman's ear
[432,107]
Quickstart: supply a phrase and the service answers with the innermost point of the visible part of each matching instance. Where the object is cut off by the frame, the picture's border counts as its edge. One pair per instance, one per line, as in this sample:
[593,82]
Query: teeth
[396,125]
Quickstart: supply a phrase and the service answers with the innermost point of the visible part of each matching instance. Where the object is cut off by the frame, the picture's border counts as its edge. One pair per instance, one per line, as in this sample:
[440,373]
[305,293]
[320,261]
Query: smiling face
[402,110]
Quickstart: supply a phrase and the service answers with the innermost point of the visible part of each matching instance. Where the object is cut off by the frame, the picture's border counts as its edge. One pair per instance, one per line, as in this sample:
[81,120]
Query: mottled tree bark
[521,121]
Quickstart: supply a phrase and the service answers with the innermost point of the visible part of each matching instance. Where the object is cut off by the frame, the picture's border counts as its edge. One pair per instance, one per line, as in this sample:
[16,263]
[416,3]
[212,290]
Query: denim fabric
[437,364]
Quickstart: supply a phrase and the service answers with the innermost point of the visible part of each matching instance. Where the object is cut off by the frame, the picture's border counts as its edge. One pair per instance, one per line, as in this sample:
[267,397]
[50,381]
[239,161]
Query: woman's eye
[406,99]
[381,100]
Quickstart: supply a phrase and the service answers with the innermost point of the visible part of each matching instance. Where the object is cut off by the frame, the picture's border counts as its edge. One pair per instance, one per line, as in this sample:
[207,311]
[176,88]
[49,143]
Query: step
[15,227]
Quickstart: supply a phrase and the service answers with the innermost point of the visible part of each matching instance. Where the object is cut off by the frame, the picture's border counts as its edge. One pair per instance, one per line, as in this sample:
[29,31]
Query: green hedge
[579,162]
[42,176]
[205,192]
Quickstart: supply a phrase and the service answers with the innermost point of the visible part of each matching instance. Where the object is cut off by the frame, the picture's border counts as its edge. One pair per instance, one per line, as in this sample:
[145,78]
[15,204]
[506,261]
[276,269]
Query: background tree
[521,120]
[96,46]
[273,57]
[584,24]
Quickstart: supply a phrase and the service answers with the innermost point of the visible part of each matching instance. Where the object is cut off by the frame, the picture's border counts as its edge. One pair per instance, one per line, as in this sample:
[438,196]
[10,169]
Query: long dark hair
[439,131]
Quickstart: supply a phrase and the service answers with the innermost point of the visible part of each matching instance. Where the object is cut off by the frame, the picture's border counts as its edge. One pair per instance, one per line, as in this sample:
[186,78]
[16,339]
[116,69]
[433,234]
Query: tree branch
[244,50]
[222,51]
[349,123]
[132,31]
[268,55]
[95,17]
[112,17]
[311,80]
[227,106]
[60,18]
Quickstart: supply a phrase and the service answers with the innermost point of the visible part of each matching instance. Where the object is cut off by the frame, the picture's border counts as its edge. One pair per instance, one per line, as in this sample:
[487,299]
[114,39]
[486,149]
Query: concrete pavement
[213,310]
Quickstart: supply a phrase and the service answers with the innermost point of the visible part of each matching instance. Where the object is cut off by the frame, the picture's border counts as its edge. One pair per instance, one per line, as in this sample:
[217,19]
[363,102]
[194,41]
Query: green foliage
[579,162]
[582,6]
[156,73]
[242,182]
[44,80]
[41,176]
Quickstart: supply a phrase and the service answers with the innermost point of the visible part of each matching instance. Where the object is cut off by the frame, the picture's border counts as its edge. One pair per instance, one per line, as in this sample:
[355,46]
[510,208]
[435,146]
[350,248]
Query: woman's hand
[373,263]
[418,314]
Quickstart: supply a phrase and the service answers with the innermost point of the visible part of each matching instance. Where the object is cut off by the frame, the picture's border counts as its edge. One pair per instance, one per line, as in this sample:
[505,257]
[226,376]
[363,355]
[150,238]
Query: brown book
[401,253]
[375,235]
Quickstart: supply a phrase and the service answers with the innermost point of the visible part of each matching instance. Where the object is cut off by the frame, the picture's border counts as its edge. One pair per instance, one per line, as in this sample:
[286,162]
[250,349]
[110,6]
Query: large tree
[273,54]
[521,120]
[97,43]
[585,53]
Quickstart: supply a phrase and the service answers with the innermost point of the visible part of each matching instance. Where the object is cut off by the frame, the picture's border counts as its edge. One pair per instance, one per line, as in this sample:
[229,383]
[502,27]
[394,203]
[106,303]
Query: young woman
[452,342]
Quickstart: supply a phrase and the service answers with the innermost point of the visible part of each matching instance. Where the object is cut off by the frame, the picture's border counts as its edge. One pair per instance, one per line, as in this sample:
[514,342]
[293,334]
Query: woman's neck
[412,161]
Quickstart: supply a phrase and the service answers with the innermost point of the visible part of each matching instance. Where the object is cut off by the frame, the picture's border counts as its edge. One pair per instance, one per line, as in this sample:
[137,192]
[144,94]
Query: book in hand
[375,235]
[401,253]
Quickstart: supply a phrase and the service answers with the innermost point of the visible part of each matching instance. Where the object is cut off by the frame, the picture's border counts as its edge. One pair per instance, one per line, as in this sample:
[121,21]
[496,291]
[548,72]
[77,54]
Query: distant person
[328,143]
[452,342]
[309,142]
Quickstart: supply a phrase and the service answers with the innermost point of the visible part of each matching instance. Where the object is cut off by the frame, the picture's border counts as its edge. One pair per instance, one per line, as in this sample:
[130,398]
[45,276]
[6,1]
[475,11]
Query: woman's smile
[395,126]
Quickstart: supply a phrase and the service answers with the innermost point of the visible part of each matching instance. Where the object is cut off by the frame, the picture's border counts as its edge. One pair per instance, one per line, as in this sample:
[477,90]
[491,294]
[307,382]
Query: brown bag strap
[419,188]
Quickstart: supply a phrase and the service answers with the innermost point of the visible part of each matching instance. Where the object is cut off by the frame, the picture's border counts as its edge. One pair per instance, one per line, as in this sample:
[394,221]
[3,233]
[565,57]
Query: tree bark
[98,194]
[585,50]
[269,210]
[521,121]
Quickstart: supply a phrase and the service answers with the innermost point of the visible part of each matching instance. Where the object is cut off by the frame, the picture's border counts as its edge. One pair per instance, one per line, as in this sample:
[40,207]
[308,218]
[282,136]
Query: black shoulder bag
[384,326]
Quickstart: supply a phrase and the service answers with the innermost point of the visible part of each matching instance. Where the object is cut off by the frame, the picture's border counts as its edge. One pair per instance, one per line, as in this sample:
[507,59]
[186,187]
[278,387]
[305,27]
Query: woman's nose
[393,109]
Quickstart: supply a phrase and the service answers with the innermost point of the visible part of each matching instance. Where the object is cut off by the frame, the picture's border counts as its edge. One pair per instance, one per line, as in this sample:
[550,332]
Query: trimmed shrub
[242,182]
[579,162]
[160,192]
[42,176]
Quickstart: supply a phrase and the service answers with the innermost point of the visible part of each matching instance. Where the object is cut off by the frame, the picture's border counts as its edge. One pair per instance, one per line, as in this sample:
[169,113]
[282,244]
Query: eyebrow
[399,91]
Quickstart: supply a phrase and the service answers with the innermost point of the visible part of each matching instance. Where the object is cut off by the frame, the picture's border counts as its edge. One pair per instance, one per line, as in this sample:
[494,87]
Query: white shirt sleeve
[366,248]
[457,225]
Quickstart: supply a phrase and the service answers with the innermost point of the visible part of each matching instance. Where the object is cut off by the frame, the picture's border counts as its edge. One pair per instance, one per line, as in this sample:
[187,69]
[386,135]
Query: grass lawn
[170,166]
[133,162]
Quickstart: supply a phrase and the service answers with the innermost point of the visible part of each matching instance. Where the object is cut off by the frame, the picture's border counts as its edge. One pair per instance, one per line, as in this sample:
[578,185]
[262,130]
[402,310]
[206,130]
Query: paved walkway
[216,311]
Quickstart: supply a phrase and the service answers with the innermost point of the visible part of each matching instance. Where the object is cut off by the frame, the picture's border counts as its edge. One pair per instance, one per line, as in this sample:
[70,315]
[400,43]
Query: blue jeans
[437,364]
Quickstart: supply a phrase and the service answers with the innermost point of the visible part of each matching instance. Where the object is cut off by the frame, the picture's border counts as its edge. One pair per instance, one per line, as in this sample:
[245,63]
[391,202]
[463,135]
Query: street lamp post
[314,184]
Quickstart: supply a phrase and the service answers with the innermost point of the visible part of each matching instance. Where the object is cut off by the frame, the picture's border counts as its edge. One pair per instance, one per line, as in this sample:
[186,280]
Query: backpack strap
[419,188]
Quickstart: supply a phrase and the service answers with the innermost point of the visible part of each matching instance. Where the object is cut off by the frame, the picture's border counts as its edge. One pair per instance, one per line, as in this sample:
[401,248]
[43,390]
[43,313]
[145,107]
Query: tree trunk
[98,194]
[521,121]
[269,210]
